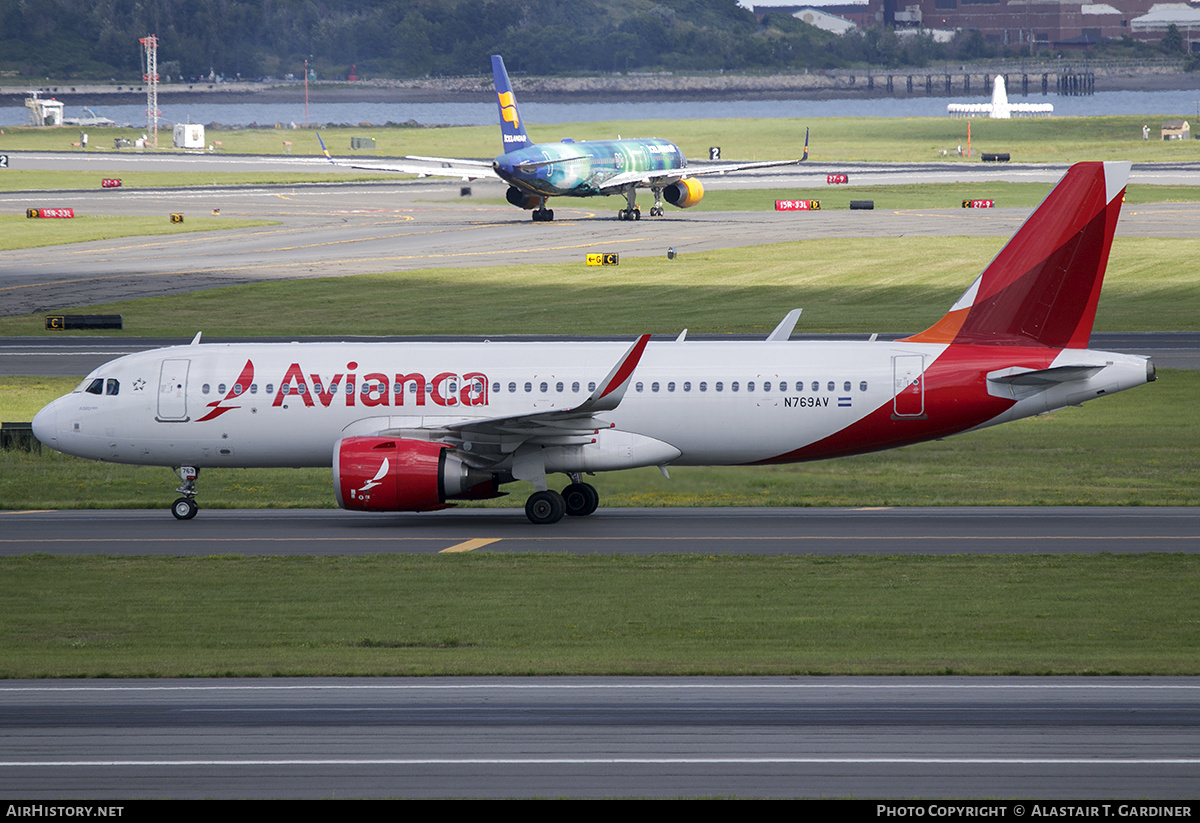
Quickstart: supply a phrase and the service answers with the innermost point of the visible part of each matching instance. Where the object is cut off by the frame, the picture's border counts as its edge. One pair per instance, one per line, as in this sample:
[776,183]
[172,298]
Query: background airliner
[416,426]
[538,171]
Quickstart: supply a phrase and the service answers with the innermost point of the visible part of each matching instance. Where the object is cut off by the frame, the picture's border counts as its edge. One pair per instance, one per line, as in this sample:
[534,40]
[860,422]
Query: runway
[781,531]
[77,356]
[345,229]
[921,737]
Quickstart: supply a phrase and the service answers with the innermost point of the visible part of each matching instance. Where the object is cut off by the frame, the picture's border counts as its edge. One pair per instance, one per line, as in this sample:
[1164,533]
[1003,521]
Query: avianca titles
[417,426]
[536,172]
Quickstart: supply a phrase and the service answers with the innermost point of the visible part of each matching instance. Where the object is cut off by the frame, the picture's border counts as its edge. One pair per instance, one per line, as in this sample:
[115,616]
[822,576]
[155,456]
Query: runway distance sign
[797,205]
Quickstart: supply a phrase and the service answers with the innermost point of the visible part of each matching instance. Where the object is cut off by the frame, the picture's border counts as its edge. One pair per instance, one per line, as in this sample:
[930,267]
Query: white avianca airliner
[415,426]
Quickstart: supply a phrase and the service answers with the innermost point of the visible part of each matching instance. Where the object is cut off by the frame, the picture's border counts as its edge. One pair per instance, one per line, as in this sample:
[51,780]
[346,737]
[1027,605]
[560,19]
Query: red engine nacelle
[522,199]
[390,474]
[685,193]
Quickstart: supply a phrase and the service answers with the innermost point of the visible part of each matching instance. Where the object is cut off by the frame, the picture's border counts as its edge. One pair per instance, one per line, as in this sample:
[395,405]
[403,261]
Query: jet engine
[685,193]
[389,474]
[522,199]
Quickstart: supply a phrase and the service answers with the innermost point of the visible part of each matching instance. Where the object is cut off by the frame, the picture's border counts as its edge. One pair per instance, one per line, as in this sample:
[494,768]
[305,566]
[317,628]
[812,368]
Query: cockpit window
[113,386]
[96,386]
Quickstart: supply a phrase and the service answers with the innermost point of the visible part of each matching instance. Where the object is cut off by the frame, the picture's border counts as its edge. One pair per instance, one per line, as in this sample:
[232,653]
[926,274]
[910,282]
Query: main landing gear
[631,211]
[542,214]
[577,500]
[185,508]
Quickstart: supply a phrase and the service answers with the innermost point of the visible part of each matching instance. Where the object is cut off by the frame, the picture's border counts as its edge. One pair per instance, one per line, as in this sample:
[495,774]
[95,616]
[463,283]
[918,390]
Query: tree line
[251,39]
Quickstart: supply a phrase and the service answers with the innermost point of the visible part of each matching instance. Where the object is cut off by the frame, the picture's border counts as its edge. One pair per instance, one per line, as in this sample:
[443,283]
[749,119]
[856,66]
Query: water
[1184,103]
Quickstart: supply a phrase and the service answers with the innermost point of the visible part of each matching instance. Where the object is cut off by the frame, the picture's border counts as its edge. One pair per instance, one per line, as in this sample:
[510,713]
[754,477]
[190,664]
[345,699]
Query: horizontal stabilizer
[1043,377]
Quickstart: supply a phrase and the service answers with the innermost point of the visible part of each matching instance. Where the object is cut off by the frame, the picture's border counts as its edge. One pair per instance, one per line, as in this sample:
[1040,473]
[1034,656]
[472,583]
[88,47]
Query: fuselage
[688,403]
[583,169]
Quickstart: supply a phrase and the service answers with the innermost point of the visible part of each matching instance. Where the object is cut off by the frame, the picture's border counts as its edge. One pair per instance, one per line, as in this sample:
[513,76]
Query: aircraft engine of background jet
[522,199]
[685,193]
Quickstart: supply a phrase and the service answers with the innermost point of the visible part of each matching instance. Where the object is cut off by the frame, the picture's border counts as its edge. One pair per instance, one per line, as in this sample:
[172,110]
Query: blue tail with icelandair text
[512,127]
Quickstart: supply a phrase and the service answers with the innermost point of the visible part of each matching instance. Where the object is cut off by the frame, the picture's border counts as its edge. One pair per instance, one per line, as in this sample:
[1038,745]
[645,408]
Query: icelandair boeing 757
[537,171]
[417,426]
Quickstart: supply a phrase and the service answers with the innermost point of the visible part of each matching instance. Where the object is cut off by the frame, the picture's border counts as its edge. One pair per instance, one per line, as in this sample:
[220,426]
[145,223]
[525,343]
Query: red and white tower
[150,76]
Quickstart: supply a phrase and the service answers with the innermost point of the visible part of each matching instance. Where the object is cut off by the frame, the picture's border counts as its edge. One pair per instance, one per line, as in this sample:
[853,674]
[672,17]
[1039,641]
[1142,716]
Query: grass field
[845,139]
[494,614]
[844,285]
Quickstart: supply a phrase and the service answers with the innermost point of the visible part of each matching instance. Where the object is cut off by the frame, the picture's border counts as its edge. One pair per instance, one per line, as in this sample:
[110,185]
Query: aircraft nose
[45,424]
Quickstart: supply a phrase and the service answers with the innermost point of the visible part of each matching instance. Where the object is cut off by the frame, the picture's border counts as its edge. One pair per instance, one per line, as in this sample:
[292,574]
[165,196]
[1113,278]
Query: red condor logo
[349,389]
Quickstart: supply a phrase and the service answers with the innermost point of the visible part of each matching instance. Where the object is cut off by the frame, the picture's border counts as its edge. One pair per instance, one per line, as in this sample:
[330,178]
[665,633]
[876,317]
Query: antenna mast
[150,47]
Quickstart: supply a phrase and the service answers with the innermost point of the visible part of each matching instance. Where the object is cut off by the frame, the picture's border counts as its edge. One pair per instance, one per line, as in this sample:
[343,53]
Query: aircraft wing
[618,182]
[490,440]
[461,169]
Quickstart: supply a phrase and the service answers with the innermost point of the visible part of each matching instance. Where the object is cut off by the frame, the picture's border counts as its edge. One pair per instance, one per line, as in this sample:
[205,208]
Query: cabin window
[512,387]
[575,387]
[270,388]
[654,386]
[638,386]
[592,386]
[221,388]
[204,389]
[558,387]
[496,388]
[671,386]
[528,388]
[733,386]
[719,385]
[750,386]
[846,386]
[862,386]
[767,385]
[831,385]
[687,385]
[703,386]
[254,388]
[544,387]
[799,385]
[816,386]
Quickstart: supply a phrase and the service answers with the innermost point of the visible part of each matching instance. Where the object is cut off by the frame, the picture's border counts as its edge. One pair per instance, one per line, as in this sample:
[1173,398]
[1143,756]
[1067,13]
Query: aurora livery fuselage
[537,171]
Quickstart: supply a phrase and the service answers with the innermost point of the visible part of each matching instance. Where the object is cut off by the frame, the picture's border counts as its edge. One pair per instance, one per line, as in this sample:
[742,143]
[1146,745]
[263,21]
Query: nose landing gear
[185,508]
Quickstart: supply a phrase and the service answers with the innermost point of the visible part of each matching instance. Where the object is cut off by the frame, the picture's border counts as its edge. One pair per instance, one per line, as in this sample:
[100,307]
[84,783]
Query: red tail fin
[1043,286]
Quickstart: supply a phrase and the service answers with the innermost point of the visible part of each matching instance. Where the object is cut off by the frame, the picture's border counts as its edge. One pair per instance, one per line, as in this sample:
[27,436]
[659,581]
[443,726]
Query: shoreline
[605,89]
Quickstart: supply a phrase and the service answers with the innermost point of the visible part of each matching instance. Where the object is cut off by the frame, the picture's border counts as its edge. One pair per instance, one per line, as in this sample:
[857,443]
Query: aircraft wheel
[537,217]
[184,508]
[581,499]
[549,215]
[637,214]
[545,507]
